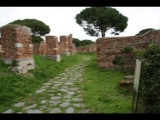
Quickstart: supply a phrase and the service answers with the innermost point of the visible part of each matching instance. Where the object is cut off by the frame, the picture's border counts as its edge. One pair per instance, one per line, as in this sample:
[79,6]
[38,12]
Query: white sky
[62,22]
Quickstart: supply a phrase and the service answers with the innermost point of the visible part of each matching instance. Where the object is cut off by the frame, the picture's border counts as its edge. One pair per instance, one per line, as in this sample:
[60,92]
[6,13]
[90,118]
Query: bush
[149,79]
[127,49]
[118,61]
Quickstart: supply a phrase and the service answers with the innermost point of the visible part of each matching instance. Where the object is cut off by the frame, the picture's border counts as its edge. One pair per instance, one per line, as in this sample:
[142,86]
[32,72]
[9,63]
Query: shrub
[127,49]
[149,79]
[118,61]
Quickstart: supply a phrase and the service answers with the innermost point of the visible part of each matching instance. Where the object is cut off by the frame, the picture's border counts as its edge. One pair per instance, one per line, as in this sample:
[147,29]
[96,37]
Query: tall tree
[144,31]
[38,28]
[101,19]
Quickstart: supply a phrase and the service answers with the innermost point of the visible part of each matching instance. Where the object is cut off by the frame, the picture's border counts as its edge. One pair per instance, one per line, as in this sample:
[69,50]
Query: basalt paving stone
[34,111]
[58,95]
[19,104]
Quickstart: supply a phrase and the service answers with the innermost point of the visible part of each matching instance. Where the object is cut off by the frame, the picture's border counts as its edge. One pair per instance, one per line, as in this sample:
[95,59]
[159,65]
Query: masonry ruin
[17,50]
[52,48]
[110,47]
[17,47]
[63,46]
[91,48]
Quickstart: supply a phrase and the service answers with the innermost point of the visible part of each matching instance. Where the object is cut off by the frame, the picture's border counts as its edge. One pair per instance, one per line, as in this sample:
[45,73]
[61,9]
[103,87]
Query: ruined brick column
[72,49]
[42,48]
[64,45]
[70,42]
[52,48]
[1,50]
[17,46]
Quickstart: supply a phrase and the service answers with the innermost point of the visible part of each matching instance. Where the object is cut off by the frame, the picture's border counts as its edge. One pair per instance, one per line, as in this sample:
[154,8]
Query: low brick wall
[64,46]
[108,48]
[91,48]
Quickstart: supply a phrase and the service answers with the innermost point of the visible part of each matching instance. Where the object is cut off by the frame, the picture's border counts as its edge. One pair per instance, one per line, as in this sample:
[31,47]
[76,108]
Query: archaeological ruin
[16,47]
[109,48]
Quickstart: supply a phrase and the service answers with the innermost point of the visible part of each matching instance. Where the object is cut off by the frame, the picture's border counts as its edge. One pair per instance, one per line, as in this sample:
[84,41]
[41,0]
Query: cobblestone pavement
[58,95]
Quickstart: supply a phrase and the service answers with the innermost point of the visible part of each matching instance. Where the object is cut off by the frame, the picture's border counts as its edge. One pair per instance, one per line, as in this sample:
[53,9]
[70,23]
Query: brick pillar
[42,48]
[70,44]
[52,48]
[74,49]
[17,46]
[64,45]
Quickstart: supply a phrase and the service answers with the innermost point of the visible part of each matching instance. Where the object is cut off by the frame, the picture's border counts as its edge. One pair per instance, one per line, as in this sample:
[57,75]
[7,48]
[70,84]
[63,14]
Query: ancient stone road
[58,95]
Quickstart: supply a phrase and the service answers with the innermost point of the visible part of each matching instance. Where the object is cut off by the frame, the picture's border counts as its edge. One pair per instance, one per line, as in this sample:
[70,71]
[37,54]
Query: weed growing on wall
[149,79]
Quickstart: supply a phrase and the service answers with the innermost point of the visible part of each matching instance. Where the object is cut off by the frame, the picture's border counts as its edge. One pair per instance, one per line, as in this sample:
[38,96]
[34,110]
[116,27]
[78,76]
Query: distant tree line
[80,43]
[144,31]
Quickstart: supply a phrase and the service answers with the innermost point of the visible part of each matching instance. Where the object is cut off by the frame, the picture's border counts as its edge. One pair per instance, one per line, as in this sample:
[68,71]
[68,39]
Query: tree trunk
[103,33]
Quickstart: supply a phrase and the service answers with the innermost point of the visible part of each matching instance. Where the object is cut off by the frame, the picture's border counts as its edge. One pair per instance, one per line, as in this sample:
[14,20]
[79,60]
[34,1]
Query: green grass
[101,92]
[15,87]
[100,86]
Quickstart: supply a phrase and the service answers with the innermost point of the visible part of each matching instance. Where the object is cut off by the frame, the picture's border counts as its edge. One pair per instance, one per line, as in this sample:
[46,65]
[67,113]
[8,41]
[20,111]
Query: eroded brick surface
[110,47]
[17,47]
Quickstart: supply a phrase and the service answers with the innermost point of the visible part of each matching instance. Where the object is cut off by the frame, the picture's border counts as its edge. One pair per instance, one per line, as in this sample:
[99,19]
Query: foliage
[36,39]
[127,49]
[38,28]
[144,31]
[80,43]
[101,91]
[15,87]
[150,82]
[86,42]
[77,42]
[101,19]
[118,61]
[139,54]
[100,86]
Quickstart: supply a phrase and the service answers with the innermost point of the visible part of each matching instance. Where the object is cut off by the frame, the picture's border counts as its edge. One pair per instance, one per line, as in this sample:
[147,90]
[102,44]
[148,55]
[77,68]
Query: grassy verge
[15,87]
[101,92]
[100,86]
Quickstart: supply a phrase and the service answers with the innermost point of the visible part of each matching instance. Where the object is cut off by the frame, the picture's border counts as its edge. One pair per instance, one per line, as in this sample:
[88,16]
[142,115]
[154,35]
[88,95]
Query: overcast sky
[61,20]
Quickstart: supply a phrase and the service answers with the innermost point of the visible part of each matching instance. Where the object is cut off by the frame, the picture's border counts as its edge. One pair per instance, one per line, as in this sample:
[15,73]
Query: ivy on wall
[150,79]
[119,59]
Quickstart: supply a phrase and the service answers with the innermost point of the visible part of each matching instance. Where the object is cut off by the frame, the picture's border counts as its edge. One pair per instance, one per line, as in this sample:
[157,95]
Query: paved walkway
[58,95]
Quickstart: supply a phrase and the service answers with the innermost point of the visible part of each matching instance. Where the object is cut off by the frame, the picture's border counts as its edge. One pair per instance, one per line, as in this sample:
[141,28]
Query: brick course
[52,48]
[17,46]
[109,47]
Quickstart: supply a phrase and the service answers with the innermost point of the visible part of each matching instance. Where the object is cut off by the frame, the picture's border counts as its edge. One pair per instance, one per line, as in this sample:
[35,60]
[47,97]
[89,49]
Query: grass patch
[15,87]
[101,92]
[100,86]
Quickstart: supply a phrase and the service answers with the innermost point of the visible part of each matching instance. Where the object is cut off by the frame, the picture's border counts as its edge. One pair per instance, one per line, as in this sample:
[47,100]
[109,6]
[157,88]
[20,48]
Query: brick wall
[109,47]
[17,46]
[39,48]
[70,42]
[64,45]
[42,48]
[52,48]
[91,48]
[71,46]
